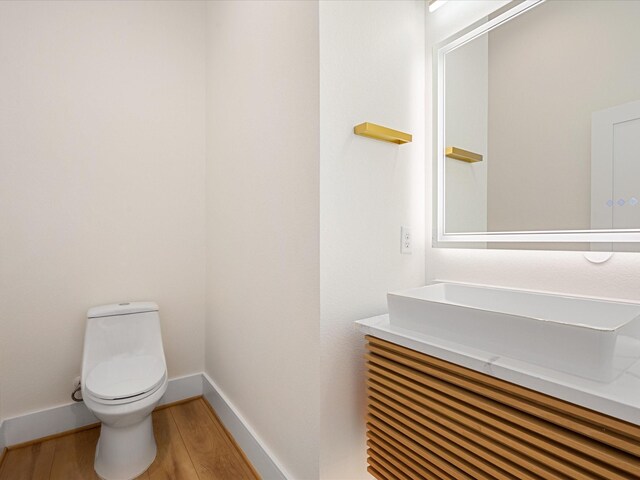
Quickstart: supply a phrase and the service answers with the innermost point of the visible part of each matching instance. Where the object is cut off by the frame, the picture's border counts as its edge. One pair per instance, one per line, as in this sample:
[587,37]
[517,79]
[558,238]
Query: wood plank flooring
[192,445]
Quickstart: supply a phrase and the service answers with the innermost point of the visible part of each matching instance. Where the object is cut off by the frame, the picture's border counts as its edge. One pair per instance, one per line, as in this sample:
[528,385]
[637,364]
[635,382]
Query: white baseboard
[181,388]
[257,453]
[46,422]
[60,419]
[32,426]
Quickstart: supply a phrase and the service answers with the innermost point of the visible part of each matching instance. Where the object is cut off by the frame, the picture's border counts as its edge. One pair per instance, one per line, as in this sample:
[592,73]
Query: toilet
[124,375]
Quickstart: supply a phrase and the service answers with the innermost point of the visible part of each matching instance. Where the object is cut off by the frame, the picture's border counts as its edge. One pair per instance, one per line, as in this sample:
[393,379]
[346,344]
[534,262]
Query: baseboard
[73,416]
[255,450]
[181,388]
[45,423]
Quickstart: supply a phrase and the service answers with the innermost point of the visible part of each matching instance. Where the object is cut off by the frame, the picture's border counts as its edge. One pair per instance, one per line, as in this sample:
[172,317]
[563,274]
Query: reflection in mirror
[550,100]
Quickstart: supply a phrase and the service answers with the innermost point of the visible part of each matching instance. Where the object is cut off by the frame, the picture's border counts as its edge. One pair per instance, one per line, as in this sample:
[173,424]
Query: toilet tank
[118,330]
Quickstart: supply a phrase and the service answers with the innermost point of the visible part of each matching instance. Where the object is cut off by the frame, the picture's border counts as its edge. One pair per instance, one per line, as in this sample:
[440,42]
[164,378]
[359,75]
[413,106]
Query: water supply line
[75,392]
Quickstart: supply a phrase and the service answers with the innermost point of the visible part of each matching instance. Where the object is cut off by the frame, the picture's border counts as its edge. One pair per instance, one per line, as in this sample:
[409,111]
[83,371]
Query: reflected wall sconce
[460,154]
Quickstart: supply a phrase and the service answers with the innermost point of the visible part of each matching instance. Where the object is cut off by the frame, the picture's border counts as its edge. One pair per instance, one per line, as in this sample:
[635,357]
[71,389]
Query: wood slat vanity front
[429,418]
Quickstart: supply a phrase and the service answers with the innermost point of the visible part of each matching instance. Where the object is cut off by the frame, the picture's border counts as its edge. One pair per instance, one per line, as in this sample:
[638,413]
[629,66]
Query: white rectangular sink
[596,339]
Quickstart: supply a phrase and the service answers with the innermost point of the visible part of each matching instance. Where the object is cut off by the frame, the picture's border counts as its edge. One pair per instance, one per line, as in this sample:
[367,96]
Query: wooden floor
[192,445]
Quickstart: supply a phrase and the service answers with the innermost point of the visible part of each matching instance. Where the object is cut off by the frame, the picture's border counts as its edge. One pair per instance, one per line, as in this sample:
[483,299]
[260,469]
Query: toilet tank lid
[124,308]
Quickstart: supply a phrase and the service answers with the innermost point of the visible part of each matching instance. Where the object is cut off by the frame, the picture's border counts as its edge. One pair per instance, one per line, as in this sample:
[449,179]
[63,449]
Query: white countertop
[619,398]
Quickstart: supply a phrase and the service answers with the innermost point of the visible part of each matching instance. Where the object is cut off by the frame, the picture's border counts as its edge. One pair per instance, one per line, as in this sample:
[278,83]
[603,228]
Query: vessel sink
[595,339]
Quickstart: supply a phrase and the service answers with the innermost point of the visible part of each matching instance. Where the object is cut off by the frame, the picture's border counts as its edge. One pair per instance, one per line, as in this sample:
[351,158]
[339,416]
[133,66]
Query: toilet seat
[125,379]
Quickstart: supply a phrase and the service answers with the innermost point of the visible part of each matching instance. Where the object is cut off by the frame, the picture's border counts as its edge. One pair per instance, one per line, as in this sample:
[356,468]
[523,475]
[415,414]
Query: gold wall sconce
[379,132]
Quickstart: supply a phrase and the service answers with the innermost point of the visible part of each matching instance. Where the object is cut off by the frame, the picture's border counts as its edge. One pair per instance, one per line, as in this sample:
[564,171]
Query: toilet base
[123,453]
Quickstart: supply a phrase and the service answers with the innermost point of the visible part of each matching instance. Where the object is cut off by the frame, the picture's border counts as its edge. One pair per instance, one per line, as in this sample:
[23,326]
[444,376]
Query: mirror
[538,127]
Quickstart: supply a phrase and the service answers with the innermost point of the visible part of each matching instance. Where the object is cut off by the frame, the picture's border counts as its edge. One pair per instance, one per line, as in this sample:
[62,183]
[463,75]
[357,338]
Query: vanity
[472,382]
[536,111]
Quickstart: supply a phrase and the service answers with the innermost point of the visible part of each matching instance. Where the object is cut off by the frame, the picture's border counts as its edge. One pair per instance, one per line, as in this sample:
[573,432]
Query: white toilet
[124,375]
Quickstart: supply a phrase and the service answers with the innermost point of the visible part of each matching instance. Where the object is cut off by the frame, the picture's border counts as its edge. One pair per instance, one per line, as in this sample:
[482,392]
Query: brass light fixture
[379,132]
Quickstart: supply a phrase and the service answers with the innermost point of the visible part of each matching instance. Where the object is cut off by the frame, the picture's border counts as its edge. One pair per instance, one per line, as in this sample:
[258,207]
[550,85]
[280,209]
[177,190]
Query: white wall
[262,331]
[102,189]
[371,69]
[563,272]
[104,120]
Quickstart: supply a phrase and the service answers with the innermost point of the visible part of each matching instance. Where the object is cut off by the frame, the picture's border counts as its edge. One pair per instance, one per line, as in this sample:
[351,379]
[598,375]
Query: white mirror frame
[443,239]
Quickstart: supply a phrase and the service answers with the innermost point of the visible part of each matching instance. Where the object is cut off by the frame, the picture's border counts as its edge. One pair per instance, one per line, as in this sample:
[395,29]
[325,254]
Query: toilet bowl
[124,375]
